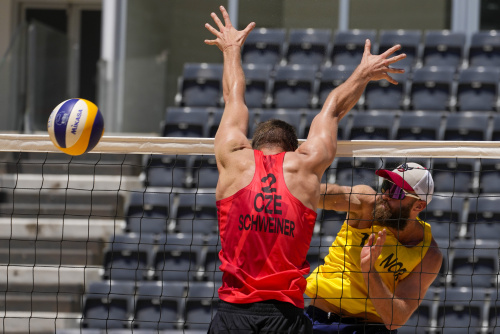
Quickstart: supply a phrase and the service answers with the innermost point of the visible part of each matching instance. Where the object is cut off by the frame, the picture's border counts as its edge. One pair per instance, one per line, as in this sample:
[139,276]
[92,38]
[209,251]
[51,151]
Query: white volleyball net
[124,239]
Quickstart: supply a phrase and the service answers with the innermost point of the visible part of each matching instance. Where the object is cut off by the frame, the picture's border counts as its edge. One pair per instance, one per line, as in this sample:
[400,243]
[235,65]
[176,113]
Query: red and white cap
[411,177]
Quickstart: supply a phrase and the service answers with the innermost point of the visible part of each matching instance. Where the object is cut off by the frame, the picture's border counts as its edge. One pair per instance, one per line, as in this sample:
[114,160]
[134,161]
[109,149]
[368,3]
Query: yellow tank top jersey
[340,281]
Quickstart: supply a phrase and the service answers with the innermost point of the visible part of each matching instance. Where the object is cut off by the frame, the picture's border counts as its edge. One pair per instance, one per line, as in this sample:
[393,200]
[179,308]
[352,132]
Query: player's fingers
[394,59]
[370,240]
[217,21]
[395,70]
[390,79]
[212,29]
[368,46]
[391,51]
[225,15]
[249,28]
[211,41]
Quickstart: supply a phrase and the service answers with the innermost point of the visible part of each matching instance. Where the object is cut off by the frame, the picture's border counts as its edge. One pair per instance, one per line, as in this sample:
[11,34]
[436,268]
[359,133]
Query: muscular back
[239,170]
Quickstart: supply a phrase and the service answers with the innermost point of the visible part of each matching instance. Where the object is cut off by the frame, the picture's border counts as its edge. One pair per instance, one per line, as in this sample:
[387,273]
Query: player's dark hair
[275,132]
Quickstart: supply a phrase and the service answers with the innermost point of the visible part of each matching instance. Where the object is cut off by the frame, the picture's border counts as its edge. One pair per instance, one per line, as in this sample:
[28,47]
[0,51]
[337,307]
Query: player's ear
[419,206]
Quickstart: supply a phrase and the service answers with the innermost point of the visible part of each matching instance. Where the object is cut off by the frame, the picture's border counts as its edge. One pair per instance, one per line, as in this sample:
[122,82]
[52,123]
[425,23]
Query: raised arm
[321,143]
[231,135]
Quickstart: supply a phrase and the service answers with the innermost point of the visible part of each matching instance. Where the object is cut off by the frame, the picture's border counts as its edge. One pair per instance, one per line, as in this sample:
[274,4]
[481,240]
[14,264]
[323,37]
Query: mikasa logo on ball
[74,127]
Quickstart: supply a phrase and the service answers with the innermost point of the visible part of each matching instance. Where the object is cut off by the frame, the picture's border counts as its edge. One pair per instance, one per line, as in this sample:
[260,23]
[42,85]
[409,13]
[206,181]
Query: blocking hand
[227,35]
[377,67]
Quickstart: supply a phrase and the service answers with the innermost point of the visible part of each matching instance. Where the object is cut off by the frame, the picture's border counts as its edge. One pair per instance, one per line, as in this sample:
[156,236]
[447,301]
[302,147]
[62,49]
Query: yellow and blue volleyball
[75,126]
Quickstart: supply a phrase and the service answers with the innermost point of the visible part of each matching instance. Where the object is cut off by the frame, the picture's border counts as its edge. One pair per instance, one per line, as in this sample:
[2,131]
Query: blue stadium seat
[318,249]
[158,305]
[341,131]
[257,78]
[127,256]
[443,48]
[167,171]
[477,89]
[200,85]
[494,314]
[148,212]
[205,173]
[475,263]
[214,121]
[293,86]
[330,222]
[330,78]
[382,94]
[291,116]
[107,304]
[185,122]
[495,133]
[484,49]
[308,46]
[196,213]
[264,46]
[467,125]
[444,275]
[455,175]
[211,261]
[372,125]
[217,116]
[431,88]
[445,214]
[354,171]
[201,305]
[460,310]
[348,46]
[420,125]
[489,176]
[483,217]
[409,41]
[177,257]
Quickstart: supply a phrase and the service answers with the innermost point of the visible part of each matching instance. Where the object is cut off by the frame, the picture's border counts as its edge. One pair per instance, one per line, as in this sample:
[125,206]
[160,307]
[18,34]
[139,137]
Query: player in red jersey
[268,192]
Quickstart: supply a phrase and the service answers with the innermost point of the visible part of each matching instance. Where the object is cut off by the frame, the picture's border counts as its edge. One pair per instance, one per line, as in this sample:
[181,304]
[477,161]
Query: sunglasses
[395,191]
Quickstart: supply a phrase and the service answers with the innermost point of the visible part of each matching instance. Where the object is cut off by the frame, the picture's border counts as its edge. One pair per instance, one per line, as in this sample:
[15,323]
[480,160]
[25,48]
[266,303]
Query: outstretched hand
[371,252]
[227,35]
[377,67]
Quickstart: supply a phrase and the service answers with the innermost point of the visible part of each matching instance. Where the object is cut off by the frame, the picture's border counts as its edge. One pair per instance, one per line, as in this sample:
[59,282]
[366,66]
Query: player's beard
[397,218]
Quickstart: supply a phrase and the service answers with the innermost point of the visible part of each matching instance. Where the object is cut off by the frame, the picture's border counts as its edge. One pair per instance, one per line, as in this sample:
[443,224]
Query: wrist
[231,47]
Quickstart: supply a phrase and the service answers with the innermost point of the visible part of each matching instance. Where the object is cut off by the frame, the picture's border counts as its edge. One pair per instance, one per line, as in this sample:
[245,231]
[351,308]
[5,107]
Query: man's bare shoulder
[434,254]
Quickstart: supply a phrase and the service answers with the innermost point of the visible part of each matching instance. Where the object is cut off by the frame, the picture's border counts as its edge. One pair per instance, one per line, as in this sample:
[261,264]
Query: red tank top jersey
[265,235]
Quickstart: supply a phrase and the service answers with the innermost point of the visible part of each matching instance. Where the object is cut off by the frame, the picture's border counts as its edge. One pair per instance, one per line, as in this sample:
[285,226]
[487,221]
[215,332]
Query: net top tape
[197,146]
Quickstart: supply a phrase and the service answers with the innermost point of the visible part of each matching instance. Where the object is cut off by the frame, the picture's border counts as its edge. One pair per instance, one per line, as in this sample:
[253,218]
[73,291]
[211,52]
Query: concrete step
[61,202]
[44,288]
[55,163]
[43,322]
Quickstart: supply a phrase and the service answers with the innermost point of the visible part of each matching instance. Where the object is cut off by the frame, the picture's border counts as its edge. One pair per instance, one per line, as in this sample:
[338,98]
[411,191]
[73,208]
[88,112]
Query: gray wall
[400,14]
[5,25]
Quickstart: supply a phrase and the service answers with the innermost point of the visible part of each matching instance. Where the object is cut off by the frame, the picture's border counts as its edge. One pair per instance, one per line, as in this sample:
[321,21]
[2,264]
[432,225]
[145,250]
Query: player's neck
[412,235]
[270,150]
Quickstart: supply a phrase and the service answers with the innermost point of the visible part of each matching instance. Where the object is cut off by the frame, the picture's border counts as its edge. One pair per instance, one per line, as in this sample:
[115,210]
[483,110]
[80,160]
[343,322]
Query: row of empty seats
[154,305]
[458,176]
[361,125]
[320,46]
[458,310]
[452,215]
[164,257]
[308,86]
[149,305]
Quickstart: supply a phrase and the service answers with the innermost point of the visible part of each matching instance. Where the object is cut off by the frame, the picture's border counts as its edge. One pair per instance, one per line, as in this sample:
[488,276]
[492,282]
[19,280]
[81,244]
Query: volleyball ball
[75,126]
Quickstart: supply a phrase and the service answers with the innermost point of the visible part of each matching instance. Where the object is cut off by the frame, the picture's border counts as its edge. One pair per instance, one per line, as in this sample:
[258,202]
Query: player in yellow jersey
[383,259]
